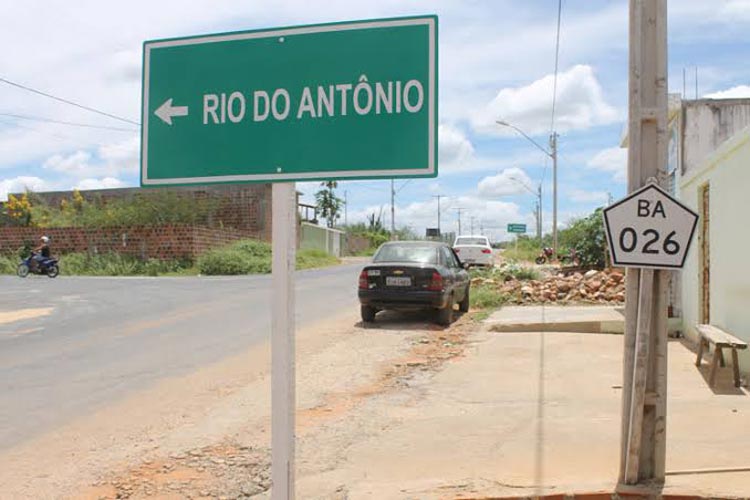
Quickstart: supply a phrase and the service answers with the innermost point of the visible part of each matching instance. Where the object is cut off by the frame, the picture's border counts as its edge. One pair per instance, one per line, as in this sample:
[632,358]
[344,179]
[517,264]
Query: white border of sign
[271,177]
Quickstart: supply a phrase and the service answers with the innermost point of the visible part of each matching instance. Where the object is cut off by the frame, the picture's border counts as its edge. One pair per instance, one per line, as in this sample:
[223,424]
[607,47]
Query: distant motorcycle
[548,254]
[48,267]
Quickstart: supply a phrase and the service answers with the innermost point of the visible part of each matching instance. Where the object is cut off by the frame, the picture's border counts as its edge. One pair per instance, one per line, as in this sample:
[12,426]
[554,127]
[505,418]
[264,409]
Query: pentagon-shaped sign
[649,228]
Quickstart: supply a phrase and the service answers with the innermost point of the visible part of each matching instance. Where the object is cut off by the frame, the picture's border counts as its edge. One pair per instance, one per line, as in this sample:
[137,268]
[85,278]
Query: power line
[61,122]
[44,132]
[403,186]
[557,61]
[66,101]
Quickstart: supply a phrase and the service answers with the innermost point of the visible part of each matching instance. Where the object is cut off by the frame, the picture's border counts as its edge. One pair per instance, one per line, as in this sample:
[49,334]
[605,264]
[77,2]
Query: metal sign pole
[284,233]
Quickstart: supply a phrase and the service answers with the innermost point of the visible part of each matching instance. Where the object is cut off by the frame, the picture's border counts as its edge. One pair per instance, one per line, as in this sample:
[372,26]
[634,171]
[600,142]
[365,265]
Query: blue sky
[496,61]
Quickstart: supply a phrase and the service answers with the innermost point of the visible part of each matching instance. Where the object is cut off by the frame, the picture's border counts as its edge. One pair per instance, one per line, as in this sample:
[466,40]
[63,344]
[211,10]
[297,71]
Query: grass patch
[480,316]
[8,265]
[242,257]
[522,254]
[254,257]
[506,271]
[112,264]
[486,297]
[310,258]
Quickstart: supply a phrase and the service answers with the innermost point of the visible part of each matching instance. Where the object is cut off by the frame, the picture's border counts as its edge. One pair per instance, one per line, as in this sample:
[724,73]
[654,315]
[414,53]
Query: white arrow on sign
[166,111]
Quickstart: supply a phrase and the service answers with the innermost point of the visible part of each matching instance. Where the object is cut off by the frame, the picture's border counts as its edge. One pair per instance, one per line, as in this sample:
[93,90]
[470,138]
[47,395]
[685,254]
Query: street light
[538,194]
[552,153]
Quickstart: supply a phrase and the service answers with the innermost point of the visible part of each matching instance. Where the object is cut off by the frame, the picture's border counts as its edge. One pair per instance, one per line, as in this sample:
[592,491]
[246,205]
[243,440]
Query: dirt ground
[208,434]
[402,409]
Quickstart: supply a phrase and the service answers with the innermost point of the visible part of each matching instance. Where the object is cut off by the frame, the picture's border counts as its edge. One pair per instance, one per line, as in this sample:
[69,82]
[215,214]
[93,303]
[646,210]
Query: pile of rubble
[594,287]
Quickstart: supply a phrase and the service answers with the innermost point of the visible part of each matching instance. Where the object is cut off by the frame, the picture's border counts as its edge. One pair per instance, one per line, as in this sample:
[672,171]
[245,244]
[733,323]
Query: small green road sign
[331,101]
[517,228]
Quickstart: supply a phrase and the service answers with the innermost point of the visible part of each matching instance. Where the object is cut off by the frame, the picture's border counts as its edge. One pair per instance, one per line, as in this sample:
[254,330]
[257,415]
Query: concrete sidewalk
[579,319]
[526,414]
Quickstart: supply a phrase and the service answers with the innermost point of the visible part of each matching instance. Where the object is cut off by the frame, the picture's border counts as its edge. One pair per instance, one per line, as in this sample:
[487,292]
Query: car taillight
[436,282]
[363,280]
[486,250]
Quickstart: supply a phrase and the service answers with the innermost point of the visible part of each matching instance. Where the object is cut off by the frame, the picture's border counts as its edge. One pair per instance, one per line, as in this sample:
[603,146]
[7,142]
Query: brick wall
[160,242]
[246,207]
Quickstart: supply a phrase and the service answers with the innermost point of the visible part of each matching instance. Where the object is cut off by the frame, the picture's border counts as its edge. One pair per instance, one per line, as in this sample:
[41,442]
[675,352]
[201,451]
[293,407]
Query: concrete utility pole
[393,209]
[458,210]
[644,394]
[438,196]
[553,155]
[346,209]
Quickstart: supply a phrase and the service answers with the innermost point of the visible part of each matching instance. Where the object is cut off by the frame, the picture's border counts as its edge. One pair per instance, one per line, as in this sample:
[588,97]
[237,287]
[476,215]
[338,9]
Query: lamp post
[538,194]
[552,153]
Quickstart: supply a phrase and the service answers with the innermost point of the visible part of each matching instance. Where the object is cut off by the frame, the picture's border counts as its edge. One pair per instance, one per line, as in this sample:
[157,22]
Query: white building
[711,174]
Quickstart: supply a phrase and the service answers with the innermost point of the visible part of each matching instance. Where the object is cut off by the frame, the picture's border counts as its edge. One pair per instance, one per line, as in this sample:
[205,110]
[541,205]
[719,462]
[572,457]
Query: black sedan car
[409,275]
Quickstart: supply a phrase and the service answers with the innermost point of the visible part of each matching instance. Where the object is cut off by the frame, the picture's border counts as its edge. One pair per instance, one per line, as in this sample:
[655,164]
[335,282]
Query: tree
[19,210]
[329,205]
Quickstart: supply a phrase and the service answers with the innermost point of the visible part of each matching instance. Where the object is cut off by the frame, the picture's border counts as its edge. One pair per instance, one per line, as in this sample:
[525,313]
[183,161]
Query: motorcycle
[48,266]
[547,255]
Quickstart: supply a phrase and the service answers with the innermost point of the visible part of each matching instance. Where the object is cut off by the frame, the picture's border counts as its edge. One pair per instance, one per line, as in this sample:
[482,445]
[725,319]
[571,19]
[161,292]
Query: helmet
[45,239]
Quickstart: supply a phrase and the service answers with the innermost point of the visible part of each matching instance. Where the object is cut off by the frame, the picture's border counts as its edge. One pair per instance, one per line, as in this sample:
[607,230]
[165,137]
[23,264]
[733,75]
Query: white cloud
[510,181]
[731,93]
[613,161]
[580,105]
[21,184]
[105,183]
[74,164]
[109,161]
[582,196]
[455,151]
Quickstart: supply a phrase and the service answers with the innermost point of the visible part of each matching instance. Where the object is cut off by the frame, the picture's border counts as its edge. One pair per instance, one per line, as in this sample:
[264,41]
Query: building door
[705,257]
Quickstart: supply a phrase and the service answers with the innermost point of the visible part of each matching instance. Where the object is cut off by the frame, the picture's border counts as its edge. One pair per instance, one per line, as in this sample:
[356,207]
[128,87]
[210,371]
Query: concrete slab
[579,319]
[527,414]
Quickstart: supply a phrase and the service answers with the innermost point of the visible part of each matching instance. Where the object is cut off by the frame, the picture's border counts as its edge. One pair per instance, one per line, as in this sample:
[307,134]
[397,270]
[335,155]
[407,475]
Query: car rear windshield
[407,253]
[471,241]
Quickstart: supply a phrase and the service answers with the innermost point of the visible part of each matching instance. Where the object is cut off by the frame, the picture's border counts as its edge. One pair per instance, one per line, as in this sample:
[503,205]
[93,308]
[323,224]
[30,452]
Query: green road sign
[331,101]
[516,228]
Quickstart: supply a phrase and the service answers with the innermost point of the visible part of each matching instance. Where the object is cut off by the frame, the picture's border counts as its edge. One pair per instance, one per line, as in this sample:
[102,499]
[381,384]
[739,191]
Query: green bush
[231,261]
[587,236]
[7,265]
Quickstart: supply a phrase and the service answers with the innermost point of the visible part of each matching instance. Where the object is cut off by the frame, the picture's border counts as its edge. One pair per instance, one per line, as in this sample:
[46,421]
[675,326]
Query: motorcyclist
[41,252]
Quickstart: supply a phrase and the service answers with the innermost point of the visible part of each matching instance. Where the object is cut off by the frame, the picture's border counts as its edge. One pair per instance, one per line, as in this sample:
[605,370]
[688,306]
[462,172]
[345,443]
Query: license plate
[397,281]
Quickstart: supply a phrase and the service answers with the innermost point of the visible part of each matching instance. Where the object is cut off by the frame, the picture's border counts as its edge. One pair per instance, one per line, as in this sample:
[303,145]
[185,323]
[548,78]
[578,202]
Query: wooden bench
[709,334]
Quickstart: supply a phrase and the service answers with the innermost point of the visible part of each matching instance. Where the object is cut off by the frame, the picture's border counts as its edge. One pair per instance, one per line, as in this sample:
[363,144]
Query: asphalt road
[107,337]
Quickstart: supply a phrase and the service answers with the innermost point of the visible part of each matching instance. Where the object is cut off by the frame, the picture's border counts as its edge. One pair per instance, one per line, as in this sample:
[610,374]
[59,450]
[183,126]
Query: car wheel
[463,306]
[53,271]
[368,313]
[22,271]
[445,315]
